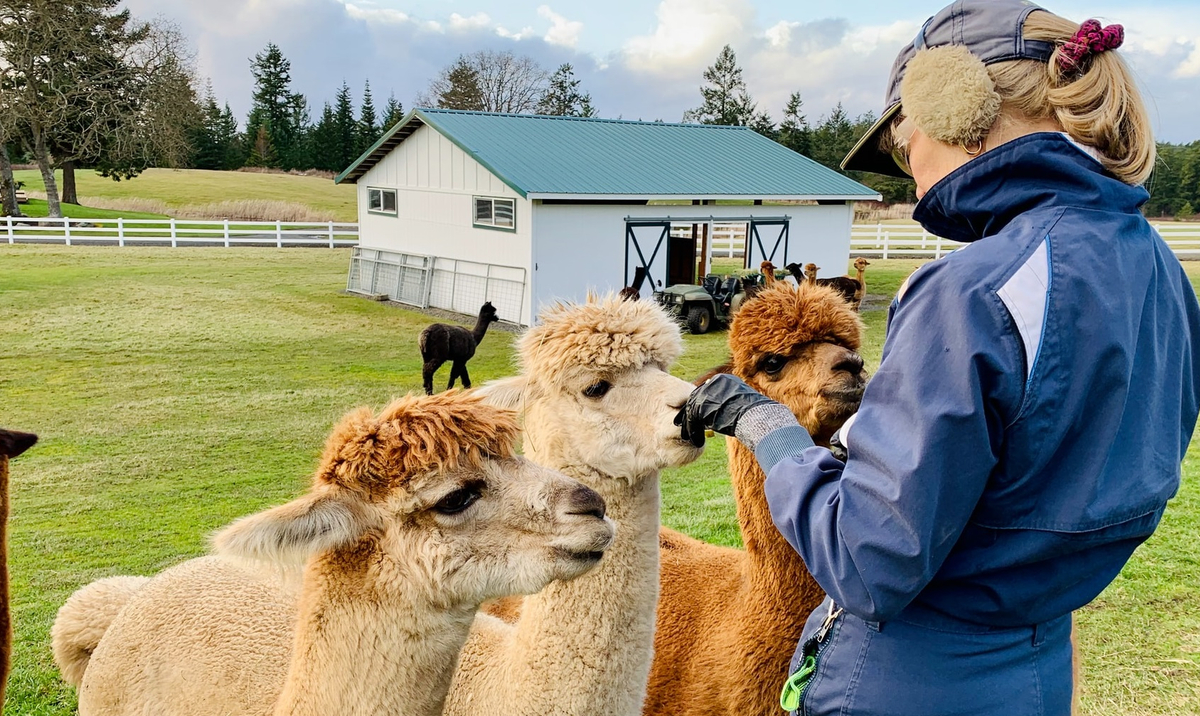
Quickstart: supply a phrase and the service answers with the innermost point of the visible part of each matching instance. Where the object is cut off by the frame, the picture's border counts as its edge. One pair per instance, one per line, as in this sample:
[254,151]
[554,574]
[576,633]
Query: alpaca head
[488,312]
[428,500]
[798,345]
[860,263]
[810,270]
[595,389]
[767,268]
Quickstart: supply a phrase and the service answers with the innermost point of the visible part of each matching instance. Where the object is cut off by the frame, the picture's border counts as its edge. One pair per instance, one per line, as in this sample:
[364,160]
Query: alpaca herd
[363,595]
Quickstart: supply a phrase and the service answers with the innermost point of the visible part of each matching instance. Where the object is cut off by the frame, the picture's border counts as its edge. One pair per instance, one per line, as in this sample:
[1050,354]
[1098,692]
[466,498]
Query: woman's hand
[716,405]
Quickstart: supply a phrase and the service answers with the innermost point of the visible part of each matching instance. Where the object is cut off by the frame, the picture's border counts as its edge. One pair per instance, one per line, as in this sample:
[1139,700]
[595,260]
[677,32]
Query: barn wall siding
[435,183]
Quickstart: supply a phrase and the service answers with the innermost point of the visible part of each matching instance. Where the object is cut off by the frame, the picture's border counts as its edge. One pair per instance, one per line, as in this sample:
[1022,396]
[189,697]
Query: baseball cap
[993,30]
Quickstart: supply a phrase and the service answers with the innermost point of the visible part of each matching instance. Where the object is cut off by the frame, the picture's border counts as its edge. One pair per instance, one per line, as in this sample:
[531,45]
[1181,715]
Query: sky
[641,59]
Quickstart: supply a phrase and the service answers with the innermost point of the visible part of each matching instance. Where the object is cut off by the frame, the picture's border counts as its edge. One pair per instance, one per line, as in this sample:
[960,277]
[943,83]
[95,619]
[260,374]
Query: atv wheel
[699,319]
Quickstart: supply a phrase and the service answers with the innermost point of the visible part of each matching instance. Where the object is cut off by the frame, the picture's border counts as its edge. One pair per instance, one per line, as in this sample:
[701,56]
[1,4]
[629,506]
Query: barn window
[381,201]
[496,213]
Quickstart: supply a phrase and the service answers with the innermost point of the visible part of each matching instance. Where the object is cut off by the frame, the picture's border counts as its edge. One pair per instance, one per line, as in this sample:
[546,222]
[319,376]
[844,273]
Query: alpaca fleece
[949,94]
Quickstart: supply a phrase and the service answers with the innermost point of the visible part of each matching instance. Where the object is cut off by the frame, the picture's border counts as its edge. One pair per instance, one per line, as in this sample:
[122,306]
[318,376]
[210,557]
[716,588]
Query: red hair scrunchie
[1090,39]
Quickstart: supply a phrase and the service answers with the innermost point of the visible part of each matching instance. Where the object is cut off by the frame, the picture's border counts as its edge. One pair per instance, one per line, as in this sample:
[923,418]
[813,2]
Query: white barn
[456,207]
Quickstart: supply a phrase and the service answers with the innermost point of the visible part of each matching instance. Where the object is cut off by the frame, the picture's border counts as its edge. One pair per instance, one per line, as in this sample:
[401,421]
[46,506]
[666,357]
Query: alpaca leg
[455,370]
[466,378]
[427,372]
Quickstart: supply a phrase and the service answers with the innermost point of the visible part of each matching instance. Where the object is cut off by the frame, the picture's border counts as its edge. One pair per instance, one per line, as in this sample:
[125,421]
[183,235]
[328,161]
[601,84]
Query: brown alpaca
[810,273]
[768,272]
[860,264]
[728,619]
[11,444]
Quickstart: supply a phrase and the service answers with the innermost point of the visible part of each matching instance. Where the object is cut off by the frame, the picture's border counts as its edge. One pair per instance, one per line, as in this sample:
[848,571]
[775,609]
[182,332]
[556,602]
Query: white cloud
[522,34]
[687,31]
[562,31]
[474,23]
[376,15]
[780,34]
[1190,67]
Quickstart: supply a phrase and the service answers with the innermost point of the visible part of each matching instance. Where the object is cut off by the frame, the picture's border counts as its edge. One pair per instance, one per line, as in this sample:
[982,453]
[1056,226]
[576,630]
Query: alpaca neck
[361,651]
[601,624]
[481,326]
[862,281]
[777,575]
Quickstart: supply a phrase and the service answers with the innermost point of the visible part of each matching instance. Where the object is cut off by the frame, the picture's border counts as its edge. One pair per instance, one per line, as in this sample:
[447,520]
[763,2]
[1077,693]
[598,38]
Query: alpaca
[441,342]
[12,444]
[632,292]
[850,289]
[729,619]
[600,406]
[768,272]
[414,517]
[860,264]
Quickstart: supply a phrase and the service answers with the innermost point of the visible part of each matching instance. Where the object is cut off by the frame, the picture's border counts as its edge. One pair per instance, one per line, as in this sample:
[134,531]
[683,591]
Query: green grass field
[181,187]
[175,390]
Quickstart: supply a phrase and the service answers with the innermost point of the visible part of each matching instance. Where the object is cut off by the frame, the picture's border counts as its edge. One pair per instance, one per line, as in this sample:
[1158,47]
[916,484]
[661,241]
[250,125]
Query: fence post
[937,254]
[278,234]
[174,237]
[331,234]
[887,241]
[11,239]
[879,235]
[226,233]
[120,231]
[67,229]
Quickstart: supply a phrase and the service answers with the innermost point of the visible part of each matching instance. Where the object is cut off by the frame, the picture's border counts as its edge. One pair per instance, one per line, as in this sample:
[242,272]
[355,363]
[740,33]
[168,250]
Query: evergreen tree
[368,129]
[726,100]
[794,132]
[282,113]
[345,129]
[563,98]
[262,151]
[461,87]
[393,112]
[324,139]
[233,155]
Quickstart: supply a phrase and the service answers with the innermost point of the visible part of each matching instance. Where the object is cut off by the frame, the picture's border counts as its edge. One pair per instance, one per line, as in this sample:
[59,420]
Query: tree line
[85,84]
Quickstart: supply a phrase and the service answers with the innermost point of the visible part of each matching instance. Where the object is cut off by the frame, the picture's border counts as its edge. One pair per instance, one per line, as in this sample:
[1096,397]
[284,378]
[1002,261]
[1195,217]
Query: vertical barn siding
[435,182]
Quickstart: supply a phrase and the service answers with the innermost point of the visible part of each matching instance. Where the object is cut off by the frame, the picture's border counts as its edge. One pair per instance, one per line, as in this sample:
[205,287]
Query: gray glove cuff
[757,422]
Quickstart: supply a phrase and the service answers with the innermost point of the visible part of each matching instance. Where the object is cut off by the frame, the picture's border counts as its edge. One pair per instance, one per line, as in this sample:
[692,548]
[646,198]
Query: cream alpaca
[415,517]
[599,405]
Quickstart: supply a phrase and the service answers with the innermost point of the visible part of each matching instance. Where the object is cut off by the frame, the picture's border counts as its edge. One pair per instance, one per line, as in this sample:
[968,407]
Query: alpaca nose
[850,362]
[585,501]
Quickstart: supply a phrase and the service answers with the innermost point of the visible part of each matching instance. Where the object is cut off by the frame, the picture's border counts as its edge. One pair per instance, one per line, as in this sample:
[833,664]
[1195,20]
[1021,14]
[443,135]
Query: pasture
[175,390]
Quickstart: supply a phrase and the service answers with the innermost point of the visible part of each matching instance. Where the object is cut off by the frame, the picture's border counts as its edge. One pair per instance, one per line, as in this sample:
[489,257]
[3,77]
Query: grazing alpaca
[441,342]
[12,444]
[632,292]
[728,619]
[415,517]
[600,406]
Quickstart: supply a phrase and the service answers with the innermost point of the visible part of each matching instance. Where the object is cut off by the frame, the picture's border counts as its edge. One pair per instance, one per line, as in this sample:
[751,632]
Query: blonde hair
[1099,106]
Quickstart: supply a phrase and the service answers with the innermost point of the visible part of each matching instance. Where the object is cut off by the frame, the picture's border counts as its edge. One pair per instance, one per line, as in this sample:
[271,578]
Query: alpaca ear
[505,393]
[289,534]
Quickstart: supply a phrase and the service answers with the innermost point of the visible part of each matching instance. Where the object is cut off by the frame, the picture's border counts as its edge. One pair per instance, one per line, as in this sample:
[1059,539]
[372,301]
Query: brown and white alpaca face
[798,345]
[860,263]
[595,389]
[427,501]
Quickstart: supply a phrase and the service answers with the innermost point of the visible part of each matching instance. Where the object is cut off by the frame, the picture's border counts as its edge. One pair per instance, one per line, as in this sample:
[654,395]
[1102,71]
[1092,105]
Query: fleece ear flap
[949,95]
[289,534]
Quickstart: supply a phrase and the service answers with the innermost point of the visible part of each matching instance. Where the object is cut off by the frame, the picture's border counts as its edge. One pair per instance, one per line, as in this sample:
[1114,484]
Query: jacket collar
[1039,170]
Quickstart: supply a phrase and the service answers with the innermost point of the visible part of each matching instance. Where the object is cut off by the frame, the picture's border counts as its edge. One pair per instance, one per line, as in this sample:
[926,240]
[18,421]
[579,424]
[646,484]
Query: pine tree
[344,129]
[563,98]
[277,109]
[393,112]
[462,90]
[324,142]
[262,151]
[367,130]
[726,100]
[794,132]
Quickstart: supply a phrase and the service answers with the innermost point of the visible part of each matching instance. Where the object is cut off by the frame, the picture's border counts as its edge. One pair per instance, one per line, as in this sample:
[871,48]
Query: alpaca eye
[597,389]
[458,500]
[772,363]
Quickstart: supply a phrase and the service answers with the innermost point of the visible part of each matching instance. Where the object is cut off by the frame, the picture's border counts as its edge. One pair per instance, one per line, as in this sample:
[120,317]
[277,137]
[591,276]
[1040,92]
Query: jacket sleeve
[874,531]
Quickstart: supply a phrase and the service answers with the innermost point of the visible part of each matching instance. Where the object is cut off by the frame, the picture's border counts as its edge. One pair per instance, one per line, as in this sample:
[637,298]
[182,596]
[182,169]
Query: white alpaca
[599,406]
[415,517]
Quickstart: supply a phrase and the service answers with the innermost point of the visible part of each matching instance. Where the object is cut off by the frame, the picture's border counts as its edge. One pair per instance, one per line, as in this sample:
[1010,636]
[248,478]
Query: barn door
[645,242]
[764,239]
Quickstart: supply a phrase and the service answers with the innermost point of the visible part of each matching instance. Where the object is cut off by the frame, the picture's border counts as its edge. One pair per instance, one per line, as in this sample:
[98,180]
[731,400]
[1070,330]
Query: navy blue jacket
[1026,426]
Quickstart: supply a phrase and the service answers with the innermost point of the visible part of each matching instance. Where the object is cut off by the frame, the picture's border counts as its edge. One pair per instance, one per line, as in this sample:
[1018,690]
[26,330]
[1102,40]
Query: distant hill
[194,192]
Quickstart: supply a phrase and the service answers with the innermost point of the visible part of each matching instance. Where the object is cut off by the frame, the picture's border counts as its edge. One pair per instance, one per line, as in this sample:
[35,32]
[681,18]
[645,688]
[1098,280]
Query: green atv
[713,301]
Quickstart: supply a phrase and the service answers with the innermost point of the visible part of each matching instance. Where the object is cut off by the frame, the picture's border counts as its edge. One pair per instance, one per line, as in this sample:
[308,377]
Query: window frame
[383,191]
[492,225]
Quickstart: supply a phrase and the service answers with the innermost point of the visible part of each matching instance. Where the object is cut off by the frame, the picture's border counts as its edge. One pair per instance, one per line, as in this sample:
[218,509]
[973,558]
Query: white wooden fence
[910,240]
[176,232]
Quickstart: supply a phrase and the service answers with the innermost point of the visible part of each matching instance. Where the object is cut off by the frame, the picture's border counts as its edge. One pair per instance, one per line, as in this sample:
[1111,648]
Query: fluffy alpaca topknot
[785,316]
[949,94]
[606,334]
[372,454]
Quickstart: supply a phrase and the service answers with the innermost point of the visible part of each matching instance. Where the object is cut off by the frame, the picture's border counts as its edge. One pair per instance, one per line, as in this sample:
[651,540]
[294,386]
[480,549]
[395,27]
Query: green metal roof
[542,155]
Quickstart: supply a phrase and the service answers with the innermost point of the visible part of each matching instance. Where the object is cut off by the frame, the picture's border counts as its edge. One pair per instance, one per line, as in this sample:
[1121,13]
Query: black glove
[716,405]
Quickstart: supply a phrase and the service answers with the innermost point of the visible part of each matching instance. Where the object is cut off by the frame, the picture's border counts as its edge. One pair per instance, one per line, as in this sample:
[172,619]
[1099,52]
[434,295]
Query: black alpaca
[440,343]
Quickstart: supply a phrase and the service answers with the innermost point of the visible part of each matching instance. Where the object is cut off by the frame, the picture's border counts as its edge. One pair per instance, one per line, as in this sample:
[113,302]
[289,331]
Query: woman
[1036,395]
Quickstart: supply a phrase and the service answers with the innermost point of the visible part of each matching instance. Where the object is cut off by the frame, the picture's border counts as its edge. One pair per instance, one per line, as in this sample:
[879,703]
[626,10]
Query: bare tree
[502,82]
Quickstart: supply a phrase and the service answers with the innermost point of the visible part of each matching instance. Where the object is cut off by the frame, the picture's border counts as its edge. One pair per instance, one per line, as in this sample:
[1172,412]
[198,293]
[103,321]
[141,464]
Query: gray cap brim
[868,154]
